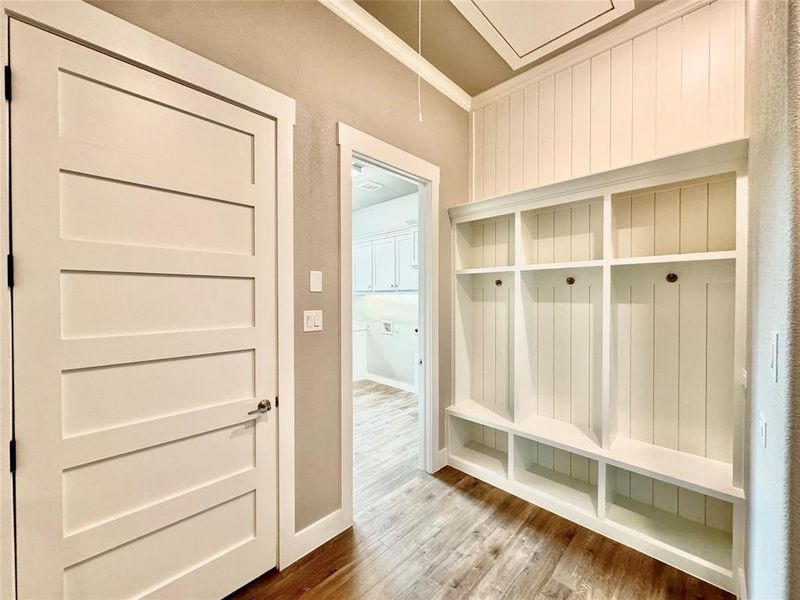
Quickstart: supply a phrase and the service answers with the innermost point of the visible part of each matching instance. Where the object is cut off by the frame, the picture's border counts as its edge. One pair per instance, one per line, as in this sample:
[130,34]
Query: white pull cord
[419,60]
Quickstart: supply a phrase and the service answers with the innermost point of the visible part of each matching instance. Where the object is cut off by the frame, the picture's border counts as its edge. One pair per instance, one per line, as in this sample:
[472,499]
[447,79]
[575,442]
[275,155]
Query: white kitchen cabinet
[407,274]
[362,267]
[384,267]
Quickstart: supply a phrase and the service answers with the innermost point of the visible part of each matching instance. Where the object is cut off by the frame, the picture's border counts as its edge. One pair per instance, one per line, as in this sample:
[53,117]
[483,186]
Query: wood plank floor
[448,535]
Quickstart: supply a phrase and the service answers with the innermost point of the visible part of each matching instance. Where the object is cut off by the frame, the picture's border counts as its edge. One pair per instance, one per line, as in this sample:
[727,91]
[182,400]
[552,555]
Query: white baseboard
[312,537]
[400,385]
[441,460]
[741,585]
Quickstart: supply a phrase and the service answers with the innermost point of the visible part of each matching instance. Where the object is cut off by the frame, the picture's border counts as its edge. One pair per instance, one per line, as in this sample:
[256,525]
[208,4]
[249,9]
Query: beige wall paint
[335,74]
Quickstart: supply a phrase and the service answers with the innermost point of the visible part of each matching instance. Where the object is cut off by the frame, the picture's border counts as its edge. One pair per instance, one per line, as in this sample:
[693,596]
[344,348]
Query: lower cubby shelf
[564,476]
[484,447]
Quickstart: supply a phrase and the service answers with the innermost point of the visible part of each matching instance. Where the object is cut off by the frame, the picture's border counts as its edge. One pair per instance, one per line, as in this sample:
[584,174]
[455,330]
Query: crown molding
[642,23]
[373,29]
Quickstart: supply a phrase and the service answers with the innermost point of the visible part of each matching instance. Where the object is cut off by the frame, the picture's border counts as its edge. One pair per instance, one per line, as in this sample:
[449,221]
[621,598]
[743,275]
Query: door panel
[384,256]
[144,330]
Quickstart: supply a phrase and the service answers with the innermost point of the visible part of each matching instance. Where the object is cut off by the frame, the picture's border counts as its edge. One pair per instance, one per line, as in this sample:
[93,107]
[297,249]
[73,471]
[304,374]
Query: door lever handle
[263,406]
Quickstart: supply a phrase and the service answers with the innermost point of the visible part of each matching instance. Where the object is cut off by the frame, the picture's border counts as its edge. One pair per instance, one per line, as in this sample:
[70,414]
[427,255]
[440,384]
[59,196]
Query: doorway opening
[389,252]
[386,326]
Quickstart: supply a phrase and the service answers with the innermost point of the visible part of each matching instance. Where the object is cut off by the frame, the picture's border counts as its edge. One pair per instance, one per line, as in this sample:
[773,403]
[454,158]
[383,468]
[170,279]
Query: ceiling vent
[369,186]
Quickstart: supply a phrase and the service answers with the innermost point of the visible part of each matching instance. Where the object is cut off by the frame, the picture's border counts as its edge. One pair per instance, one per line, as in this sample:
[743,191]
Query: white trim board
[376,31]
[352,141]
[97,29]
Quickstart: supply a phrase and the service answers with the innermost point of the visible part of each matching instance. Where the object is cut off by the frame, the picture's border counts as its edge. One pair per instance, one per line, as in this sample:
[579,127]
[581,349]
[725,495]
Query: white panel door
[407,274]
[362,267]
[384,265]
[144,330]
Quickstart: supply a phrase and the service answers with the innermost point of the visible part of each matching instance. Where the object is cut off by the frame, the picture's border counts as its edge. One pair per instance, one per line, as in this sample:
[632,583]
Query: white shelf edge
[674,258]
[697,473]
[485,270]
[580,264]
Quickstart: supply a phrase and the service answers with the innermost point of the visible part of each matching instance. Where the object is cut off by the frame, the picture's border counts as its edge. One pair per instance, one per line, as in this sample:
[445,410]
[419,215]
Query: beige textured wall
[335,74]
[773,473]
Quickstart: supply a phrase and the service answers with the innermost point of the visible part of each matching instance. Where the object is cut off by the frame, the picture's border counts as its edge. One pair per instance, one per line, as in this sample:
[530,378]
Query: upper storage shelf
[485,244]
[690,217]
[563,234]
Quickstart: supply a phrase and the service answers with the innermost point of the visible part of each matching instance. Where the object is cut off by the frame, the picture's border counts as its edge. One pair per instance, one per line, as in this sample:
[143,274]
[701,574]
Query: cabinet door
[407,275]
[384,266]
[362,267]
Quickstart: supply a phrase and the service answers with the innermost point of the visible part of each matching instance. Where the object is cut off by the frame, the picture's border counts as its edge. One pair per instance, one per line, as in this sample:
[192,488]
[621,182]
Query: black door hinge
[276,402]
[12,455]
[7,82]
[10,269]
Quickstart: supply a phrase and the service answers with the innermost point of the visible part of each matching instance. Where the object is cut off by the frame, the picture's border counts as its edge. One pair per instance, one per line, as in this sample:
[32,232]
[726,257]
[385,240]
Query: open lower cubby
[680,218]
[679,518]
[564,476]
[485,340]
[478,445]
[485,243]
[673,356]
[560,234]
[560,345]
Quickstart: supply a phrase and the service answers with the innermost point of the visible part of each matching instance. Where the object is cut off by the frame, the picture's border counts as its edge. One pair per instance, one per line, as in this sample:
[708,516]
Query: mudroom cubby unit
[606,350]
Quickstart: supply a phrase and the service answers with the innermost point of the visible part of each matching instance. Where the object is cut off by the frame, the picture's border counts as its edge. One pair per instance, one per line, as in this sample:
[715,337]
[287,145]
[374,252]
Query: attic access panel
[522,32]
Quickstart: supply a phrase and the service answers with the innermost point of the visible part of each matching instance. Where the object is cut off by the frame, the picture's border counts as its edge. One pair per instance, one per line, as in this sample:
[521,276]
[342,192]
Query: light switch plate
[312,320]
[315,281]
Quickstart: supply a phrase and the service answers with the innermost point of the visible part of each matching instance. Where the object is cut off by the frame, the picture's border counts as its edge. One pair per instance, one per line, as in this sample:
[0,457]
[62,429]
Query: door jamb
[101,31]
[352,141]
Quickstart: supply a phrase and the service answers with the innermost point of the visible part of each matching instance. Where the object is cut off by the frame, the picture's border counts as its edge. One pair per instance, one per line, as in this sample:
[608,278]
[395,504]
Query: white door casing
[144,329]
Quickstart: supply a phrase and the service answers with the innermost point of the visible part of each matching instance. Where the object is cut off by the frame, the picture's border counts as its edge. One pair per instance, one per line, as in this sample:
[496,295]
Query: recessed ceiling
[522,32]
[455,47]
[367,178]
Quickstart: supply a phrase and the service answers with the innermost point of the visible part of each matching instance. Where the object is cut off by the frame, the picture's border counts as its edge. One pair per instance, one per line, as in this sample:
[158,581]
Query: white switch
[773,356]
[315,281]
[312,320]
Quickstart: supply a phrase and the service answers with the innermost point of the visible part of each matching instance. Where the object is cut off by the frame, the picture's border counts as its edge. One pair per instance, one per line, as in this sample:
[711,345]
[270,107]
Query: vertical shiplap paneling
[665,496]
[600,125]
[694,218]
[722,64]
[695,78]
[476,351]
[641,488]
[515,142]
[526,380]
[622,358]
[503,117]
[583,346]
[530,237]
[719,379]
[692,409]
[621,226]
[545,235]
[596,230]
[477,155]
[691,505]
[668,88]
[667,222]
[546,365]
[621,104]
[561,350]
[643,225]
[643,145]
[665,364]
[489,150]
[580,234]
[722,215]
[530,164]
[562,230]
[581,118]
[489,244]
[563,126]
[503,323]
[547,107]
[641,361]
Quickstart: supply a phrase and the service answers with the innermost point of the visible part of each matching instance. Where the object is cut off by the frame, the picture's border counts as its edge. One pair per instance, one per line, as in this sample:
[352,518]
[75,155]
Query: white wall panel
[677,87]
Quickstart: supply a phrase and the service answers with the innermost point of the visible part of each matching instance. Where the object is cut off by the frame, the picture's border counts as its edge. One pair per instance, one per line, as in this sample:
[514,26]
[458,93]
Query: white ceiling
[522,31]
[393,186]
